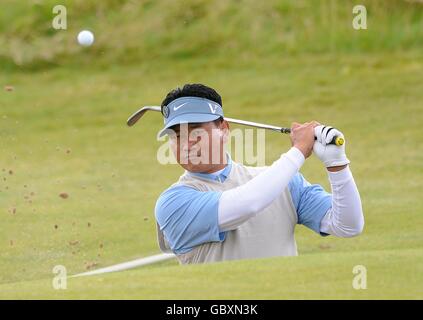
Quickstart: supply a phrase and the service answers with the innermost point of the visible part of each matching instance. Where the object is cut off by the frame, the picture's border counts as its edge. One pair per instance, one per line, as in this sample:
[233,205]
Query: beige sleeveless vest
[269,233]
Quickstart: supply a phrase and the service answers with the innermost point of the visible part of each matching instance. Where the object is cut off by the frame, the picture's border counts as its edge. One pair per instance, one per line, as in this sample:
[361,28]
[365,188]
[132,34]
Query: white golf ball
[85,38]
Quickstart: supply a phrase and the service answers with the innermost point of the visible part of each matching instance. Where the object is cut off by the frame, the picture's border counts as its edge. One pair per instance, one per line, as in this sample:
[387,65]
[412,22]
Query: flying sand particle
[64,195]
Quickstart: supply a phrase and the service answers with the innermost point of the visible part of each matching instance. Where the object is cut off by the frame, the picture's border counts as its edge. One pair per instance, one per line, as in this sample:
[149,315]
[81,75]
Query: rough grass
[128,32]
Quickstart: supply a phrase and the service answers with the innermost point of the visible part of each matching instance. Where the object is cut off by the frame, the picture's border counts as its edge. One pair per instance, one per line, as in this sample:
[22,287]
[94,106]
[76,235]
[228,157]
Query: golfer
[222,210]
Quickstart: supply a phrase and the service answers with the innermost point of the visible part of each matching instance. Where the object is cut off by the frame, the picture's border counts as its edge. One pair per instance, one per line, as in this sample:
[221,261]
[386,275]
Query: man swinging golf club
[222,210]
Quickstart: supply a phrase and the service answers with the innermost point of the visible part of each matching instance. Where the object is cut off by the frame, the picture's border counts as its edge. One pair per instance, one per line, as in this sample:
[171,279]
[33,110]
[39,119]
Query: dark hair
[192,90]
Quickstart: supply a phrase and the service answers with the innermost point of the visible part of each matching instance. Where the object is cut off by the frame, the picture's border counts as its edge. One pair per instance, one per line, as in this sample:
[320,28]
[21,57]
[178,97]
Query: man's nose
[189,142]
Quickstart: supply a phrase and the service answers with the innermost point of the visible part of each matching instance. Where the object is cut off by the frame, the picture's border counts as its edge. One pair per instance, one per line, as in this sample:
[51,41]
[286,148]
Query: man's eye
[196,134]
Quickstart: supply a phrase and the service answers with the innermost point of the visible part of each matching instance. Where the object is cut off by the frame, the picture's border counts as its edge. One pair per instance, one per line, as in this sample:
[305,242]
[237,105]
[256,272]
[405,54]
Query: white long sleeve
[345,219]
[239,204]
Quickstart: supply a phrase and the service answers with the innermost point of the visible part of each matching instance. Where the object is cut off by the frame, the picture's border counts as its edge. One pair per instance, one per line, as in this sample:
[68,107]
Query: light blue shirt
[189,217]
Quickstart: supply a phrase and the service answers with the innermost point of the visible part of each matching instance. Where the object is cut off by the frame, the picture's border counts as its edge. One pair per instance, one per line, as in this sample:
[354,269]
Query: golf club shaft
[137,115]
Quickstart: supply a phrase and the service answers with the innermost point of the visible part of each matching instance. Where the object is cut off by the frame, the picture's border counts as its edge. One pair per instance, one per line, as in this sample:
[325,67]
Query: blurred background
[78,187]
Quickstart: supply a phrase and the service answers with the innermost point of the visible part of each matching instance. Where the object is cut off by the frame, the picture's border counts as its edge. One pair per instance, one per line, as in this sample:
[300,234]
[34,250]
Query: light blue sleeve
[188,217]
[311,202]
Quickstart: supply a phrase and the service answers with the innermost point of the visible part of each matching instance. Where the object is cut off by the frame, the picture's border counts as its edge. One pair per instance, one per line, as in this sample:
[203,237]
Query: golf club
[138,115]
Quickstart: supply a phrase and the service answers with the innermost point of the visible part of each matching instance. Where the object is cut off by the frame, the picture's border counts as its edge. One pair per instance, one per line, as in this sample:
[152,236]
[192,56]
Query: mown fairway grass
[62,130]
[392,274]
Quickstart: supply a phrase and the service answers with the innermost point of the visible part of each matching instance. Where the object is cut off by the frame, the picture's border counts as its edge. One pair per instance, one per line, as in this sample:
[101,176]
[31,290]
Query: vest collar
[215,177]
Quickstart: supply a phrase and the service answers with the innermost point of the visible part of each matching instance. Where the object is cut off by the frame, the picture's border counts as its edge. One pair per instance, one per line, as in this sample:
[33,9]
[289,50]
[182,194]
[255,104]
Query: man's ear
[224,129]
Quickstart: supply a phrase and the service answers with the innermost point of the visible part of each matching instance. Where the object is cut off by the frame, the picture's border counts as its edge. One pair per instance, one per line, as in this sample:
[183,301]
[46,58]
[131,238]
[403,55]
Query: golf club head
[137,115]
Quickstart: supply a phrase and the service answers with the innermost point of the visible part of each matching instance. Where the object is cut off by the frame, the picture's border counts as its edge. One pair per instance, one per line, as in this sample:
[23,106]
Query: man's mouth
[191,154]
[194,154]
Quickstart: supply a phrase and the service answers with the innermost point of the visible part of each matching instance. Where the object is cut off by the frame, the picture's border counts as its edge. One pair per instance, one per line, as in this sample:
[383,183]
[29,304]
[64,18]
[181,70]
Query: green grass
[128,32]
[328,276]
[79,100]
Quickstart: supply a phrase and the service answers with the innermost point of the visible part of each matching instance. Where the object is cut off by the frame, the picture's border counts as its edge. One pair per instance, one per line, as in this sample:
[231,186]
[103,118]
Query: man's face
[199,147]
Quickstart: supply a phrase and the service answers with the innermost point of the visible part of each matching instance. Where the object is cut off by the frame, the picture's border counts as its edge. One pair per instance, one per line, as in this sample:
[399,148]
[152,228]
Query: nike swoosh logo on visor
[176,108]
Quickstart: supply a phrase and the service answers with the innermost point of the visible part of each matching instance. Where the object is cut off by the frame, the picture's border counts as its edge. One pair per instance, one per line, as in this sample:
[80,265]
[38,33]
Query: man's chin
[196,167]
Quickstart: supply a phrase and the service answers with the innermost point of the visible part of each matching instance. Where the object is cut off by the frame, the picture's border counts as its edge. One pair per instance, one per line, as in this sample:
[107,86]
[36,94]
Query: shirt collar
[216,177]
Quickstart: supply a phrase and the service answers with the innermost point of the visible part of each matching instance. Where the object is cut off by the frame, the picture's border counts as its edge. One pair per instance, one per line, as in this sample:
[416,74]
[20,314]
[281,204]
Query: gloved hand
[331,155]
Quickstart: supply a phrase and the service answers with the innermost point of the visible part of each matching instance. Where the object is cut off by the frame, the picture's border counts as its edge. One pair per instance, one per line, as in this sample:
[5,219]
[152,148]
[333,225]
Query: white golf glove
[331,155]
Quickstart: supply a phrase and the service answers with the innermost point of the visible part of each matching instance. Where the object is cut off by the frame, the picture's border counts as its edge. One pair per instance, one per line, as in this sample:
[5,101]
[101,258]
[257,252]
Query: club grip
[337,141]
